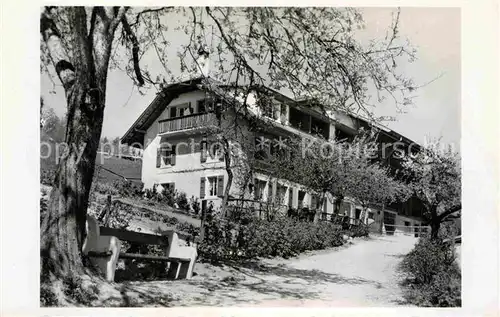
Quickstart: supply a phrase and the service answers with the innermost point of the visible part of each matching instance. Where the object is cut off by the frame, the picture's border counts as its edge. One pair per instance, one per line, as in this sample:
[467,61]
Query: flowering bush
[226,239]
[195,205]
[182,201]
[433,277]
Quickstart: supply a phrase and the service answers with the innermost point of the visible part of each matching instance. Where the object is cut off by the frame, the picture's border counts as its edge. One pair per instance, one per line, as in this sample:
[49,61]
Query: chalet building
[178,133]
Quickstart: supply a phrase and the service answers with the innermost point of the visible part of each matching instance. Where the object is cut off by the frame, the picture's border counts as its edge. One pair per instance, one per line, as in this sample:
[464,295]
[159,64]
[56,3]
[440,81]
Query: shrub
[73,289]
[432,274]
[43,209]
[182,201]
[167,196]
[151,193]
[105,189]
[248,237]
[120,216]
[187,228]
[47,176]
[359,231]
[195,205]
[47,296]
[127,188]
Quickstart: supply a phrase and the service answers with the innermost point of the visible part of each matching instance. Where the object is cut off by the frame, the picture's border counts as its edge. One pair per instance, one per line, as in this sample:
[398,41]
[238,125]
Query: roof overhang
[135,134]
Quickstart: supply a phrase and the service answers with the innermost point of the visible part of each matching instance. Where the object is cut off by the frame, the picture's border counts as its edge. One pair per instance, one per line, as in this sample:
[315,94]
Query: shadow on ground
[309,276]
[231,284]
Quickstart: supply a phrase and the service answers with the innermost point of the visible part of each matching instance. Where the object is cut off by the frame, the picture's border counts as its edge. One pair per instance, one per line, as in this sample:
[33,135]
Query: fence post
[108,210]
[381,229]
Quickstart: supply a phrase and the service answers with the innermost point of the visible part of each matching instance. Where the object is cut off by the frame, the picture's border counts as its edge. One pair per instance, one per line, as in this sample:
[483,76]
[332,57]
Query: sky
[435,32]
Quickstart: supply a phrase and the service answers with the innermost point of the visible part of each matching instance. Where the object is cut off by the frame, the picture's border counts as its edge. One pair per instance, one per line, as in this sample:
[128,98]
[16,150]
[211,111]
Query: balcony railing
[187,122]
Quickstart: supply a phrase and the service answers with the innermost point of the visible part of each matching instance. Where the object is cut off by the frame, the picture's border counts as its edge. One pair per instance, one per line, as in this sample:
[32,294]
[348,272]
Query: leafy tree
[341,169]
[52,126]
[435,178]
[374,185]
[312,52]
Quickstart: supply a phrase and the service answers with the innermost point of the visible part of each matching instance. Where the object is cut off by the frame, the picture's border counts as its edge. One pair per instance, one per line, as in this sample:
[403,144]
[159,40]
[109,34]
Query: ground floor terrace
[269,196]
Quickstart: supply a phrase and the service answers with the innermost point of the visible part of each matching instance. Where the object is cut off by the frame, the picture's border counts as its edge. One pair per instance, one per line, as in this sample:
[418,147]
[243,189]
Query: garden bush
[167,196]
[195,205]
[182,201]
[106,189]
[226,239]
[432,275]
[127,188]
[359,231]
[47,176]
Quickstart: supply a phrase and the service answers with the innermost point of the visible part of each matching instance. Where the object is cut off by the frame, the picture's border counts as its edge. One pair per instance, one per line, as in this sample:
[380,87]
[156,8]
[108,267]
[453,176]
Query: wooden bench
[103,246]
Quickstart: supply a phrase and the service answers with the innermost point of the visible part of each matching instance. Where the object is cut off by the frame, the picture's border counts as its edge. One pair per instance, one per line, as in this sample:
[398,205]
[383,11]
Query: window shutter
[290,196]
[173,155]
[158,157]
[202,187]
[269,191]
[220,185]
[203,154]
[221,158]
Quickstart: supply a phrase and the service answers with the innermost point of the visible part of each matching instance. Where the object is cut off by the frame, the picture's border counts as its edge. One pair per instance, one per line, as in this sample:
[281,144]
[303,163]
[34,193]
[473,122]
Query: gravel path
[360,274]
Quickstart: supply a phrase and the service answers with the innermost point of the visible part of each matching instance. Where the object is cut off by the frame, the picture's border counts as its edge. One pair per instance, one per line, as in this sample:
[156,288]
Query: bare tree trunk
[84,79]
[229,171]
[435,222]
[435,225]
[321,202]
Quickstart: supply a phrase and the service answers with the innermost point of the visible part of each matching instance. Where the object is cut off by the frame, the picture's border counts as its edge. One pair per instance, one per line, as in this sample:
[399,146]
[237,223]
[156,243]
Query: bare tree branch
[148,11]
[57,52]
[135,49]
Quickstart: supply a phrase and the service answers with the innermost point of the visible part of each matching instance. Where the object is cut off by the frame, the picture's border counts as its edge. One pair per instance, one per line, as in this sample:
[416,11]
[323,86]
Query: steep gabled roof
[135,133]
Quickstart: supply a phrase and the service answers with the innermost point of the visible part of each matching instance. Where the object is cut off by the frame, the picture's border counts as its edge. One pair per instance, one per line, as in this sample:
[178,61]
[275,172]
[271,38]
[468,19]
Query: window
[212,149]
[215,151]
[290,197]
[302,195]
[314,202]
[358,213]
[371,215]
[280,193]
[215,186]
[262,148]
[341,135]
[345,208]
[266,106]
[167,153]
[276,110]
[212,186]
[202,106]
[259,189]
[184,109]
[320,128]
[300,120]
[283,113]
[407,223]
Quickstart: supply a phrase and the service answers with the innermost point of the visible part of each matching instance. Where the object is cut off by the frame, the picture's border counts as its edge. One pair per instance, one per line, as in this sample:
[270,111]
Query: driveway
[362,273]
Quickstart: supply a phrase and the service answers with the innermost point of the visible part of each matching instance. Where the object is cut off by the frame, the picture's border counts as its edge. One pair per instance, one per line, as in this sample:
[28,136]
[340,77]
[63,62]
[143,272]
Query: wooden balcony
[194,121]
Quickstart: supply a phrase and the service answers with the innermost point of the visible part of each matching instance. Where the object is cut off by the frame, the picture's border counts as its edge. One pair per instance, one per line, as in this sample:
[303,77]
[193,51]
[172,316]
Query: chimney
[203,59]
